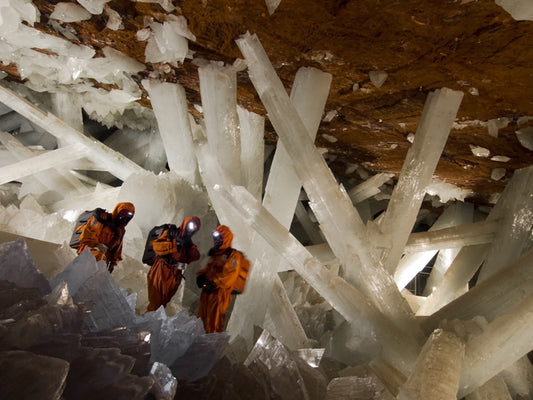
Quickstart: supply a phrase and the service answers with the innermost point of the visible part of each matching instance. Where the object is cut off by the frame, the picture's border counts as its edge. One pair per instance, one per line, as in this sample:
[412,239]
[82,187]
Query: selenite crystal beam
[108,159]
[420,162]
[492,297]
[212,175]
[495,388]
[437,370]
[457,236]
[252,127]
[339,221]
[41,162]
[281,314]
[309,94]
[170,108]
[515,223]
[218,89]
[368,188]
[412,263]
[504,341]
[398,348]
[514,212]
[54,179]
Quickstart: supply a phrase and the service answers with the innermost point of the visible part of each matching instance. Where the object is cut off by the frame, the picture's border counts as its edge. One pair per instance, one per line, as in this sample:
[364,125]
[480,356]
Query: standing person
[104,233]
[174,249]
[219,278]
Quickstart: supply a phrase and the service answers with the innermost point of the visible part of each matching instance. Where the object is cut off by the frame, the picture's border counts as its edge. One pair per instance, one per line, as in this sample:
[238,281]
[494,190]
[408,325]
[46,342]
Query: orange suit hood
[183,227]
[227,236]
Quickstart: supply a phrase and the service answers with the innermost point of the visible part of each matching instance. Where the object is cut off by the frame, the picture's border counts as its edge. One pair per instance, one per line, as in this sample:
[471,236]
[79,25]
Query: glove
[187,242]
[200,281]
[209,286]
[101,248]
[111,266]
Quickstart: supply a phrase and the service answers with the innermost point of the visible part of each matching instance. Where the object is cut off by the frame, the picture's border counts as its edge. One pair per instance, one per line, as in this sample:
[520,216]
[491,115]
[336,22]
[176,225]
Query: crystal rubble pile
[353,312]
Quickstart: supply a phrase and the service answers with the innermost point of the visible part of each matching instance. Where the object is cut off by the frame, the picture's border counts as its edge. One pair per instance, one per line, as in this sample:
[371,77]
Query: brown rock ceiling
[422,45]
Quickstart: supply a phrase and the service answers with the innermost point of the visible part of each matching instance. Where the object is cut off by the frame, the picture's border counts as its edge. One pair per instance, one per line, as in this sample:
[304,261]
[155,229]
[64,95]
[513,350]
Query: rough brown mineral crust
[476,47]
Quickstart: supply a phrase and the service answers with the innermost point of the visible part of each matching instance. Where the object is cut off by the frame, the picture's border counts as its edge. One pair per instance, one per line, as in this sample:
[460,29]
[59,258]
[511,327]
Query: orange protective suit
[215,302]
[165,274]
[111,236]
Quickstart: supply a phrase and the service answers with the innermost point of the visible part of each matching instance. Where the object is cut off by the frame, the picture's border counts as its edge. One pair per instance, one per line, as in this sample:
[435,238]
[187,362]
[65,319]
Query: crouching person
[225,274]
[174,250]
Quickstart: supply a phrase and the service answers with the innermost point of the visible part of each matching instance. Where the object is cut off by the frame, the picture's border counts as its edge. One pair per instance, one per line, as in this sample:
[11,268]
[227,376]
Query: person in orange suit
[111,236]
[216,280]
[174,249]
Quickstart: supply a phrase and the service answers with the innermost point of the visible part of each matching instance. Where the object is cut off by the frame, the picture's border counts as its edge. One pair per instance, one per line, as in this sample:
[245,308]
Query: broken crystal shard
[500,158]
[479,151]
[398,347]
[272,5]
[433,129]
[519,10]
[378,78]
[497,173]
[341,224]
[16,265]
[165,383]
[59,295]
[525,137]
[170,107]
[93,6]
[114,20]
[69,12]
[437,370]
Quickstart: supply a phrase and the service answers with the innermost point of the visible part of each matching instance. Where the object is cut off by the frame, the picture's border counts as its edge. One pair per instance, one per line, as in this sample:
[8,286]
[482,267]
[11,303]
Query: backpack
[87,229]
[243,265]
[164,246]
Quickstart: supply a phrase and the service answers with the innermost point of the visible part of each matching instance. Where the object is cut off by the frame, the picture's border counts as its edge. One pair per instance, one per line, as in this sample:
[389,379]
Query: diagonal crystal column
[412,263]
[399,348]
[492,297]
[420,162]
[170,108]
[437,370]
[45,166]
[514,208]
[504,341]
[515,223]
[339,221]
[107,159]
[467,234]
[309,94]
[39,163]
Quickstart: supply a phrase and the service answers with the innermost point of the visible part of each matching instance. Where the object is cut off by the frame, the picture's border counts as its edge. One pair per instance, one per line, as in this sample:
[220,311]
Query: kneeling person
[174,249]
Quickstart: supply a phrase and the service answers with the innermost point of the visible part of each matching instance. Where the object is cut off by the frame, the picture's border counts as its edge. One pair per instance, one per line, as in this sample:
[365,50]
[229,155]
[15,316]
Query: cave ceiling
[472,46]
